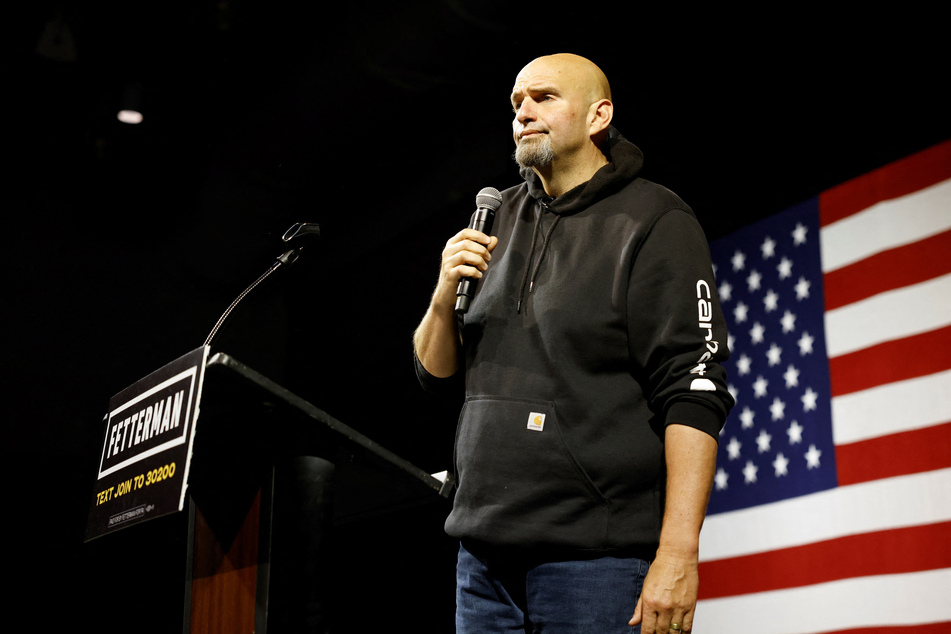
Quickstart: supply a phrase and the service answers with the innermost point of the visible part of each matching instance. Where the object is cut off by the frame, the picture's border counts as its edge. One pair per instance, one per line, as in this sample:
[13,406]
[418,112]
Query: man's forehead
[541,71]
[556,72]
[534,84]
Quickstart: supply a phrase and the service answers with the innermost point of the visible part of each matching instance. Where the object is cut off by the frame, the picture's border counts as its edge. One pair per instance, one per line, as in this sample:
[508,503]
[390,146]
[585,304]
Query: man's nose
[526,112]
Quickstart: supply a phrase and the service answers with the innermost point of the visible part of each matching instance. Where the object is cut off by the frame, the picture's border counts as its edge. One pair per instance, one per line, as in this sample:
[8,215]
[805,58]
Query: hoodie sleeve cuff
[431,383]
[696,415]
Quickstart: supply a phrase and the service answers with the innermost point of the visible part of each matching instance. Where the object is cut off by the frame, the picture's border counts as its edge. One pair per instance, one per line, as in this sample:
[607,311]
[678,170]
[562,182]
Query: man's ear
[600,115]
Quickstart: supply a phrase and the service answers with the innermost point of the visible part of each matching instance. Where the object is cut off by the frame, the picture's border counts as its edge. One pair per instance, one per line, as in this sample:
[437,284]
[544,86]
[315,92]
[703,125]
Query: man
[594,391]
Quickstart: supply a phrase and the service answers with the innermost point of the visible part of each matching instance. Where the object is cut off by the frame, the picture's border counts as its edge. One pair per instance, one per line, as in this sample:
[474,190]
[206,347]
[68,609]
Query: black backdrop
[380,121]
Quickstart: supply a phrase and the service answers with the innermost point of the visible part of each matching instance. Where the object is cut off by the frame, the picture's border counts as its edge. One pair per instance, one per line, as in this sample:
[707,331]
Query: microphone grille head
[489,197]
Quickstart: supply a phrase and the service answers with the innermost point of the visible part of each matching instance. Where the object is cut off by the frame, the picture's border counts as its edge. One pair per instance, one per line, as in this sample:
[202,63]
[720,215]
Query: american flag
[831,509]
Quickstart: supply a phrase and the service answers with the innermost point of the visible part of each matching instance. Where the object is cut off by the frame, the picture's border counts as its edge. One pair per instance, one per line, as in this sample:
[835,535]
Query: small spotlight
[131,102]
[129,116]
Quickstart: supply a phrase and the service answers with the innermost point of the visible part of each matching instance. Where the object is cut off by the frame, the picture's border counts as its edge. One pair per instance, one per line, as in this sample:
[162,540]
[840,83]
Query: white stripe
[895,407]
[907,599]
[886,225]
[911,500]
[903,312]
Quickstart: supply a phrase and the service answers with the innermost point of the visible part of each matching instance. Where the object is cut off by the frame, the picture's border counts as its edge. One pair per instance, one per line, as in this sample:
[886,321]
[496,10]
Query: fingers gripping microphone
[487,202]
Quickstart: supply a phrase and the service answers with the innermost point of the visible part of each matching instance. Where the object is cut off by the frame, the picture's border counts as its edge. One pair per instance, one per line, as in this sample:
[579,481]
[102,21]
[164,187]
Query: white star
[773,354]
[753,280]
[749,472]
[734,392]
[799,234]
[805,344]
[730,341]
[757,333]
[788,321]
[762,441]
[768,248]
[780,464]
[812,457]
[802,288]
[721,478]
[771,301]
[759,387]
[726,291]
[809,400]
[792,376]
[733,449]
[777,408]
[746,417]
[743,365]
[740,312]
[795,433]
[785,268]
[739,261]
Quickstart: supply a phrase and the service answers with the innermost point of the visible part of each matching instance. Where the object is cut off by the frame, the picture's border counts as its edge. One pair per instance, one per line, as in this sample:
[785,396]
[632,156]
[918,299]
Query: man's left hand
[669,594]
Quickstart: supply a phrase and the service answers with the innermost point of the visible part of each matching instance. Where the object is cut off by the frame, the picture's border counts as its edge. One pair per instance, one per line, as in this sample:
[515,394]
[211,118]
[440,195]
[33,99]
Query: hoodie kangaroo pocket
[513,465]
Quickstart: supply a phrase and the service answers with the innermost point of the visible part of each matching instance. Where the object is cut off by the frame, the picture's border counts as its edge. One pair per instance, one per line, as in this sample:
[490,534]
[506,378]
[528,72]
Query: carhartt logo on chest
[536,421]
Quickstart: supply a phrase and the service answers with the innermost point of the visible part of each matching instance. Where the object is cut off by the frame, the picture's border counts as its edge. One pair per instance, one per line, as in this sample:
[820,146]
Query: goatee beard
[534,152]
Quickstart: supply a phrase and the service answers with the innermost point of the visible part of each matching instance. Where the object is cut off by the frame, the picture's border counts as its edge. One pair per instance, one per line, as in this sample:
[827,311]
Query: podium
[269,475]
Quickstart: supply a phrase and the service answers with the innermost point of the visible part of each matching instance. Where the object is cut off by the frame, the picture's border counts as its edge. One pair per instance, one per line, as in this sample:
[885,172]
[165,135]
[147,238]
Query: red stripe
[926,628]
[888,270]
[908,358]
[896,551]
[898,454]
[891,181]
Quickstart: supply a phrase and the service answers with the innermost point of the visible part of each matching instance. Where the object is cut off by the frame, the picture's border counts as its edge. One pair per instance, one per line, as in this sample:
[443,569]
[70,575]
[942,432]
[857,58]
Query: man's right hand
[436,341]
[466,254]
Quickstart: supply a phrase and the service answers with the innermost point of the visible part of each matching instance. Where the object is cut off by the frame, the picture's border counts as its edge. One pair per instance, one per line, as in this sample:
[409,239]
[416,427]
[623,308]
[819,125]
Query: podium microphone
[487,203]
[299,233]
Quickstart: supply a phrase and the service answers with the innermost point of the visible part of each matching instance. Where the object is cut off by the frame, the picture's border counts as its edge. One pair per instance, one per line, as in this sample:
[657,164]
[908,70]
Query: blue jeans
[503,591]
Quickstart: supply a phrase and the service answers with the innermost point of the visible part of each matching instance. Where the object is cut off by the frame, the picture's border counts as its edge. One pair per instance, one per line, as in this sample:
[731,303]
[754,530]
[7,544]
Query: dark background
[380,121]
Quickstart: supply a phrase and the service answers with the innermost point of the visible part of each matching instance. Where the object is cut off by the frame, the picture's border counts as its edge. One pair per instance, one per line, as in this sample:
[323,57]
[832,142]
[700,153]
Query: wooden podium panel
[224,584]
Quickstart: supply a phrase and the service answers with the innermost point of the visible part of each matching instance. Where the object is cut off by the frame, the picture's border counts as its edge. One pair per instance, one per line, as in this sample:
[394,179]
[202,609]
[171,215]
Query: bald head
[572,72]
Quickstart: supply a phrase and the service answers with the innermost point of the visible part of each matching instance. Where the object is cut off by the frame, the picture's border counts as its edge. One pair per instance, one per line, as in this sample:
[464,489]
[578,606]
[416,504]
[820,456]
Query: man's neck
[559,177]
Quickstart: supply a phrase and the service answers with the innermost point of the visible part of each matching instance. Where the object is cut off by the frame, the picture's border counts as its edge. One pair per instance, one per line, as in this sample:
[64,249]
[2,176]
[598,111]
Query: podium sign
[147,445]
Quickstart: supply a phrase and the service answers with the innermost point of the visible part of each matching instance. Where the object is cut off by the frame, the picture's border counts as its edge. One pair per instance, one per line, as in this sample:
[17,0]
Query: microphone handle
[482,219]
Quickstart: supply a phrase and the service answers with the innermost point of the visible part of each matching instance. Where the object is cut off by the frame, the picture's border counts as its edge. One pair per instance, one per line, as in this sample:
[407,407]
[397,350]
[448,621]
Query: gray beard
[536,152]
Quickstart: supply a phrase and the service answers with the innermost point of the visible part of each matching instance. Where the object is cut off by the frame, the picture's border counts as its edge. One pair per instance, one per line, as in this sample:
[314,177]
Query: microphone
[298,231]
[487,203]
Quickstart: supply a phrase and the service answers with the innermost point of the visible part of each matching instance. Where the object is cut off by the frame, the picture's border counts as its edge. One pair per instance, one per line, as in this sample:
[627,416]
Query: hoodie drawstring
[531,254]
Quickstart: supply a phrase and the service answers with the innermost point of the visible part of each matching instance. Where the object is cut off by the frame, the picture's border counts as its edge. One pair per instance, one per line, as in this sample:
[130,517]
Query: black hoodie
[596,325]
